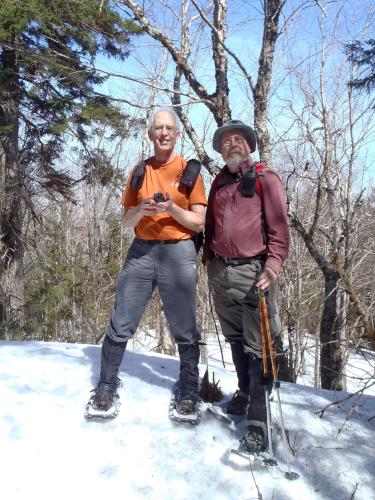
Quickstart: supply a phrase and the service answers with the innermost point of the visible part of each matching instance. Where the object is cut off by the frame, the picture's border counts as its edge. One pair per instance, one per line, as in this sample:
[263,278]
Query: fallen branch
[360,391]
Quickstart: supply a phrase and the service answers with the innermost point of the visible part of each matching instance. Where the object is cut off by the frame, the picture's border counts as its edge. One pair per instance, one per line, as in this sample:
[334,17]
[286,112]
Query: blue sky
[300,47]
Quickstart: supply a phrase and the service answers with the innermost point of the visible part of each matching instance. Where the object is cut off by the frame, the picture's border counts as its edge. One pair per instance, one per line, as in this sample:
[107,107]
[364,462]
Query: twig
[321,7]
[322,448]
[346,419]
[360,391]
[99,338]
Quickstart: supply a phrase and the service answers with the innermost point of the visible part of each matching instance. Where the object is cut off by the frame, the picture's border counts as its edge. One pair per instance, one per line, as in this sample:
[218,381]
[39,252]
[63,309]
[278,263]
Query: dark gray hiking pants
[237,303]
[172,268]
[237,307]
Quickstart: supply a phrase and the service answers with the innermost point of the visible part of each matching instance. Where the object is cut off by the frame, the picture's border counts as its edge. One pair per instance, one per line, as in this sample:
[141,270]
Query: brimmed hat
[235,124]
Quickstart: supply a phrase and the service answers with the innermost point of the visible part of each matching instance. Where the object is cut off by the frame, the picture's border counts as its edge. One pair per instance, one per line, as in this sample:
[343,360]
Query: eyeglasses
[236,139]
[160,128]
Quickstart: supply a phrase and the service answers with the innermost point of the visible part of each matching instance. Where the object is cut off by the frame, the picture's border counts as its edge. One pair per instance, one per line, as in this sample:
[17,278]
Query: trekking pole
[216,330]
[271,460]
[265,329]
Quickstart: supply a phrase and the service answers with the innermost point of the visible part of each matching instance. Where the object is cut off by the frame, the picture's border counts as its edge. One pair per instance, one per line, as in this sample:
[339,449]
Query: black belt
[163,242]
[240,262]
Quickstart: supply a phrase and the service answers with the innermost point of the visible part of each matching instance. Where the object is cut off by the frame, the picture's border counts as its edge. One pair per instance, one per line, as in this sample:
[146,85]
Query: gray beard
[235,160]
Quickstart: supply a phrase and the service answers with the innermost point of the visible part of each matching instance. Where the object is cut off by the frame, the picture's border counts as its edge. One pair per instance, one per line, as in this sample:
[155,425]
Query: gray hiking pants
[237,304]
[172,268]
[237,307]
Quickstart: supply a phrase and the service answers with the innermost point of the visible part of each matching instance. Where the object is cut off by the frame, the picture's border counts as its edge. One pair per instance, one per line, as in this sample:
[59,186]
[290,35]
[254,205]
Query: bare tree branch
[224,45]
[178,58]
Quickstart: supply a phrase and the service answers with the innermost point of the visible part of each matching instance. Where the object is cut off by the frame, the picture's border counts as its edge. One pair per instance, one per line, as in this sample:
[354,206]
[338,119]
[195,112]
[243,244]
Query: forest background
[78,80]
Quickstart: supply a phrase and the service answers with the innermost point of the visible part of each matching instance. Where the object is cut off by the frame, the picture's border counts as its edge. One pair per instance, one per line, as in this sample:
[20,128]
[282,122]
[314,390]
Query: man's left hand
[266,278]
[164,206]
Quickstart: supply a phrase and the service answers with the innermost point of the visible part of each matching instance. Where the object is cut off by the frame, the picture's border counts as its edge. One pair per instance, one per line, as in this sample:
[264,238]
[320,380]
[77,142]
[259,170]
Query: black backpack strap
[190,174]
[188,179]
[138,175]
[249,182]
[224,181]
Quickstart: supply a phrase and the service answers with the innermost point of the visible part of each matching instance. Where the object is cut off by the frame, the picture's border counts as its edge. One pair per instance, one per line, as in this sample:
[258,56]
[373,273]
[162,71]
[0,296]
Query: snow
[48,450]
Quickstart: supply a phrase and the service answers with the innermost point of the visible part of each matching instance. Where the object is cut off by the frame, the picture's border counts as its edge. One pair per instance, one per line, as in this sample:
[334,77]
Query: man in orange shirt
[162,254]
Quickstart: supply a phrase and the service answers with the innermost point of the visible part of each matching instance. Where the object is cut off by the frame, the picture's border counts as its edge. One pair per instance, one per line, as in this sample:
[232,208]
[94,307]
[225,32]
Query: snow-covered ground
[48,450]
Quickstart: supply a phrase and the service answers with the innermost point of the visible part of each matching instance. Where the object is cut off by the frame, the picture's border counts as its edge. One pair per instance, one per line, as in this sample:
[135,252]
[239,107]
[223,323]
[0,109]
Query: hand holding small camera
[158,203]
[158,197]
[148,207]
[163,203]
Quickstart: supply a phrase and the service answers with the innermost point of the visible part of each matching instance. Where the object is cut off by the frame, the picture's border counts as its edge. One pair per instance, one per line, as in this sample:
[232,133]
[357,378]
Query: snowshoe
[218,411]
[104,404]
[183,410]
[232,411]
[263,457]
[253,446]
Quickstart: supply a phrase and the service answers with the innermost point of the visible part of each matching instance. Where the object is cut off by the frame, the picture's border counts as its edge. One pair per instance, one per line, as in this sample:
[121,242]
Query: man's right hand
[147,207]
[266,278]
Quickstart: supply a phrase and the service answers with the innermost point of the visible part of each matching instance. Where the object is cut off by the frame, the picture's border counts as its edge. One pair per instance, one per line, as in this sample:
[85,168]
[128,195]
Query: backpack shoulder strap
[258,185]
[138,175]
[188,179]
[190,174]
[258,189]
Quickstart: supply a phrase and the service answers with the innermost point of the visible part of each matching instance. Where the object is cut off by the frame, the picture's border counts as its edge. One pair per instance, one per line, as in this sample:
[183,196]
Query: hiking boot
[104,395]
[254,441]
[187,399]
[237,405]
[186,406]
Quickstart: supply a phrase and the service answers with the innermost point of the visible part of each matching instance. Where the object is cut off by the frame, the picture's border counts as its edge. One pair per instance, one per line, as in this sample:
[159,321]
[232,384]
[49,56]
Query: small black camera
[159,197]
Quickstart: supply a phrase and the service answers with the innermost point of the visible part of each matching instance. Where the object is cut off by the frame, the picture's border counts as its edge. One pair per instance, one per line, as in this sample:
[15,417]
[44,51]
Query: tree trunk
[220,97]
[331,356]
[272,9]
[316,358]
[12,244]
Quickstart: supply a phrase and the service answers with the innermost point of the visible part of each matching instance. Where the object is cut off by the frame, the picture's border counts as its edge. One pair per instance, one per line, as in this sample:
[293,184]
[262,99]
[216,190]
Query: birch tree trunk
[272,9]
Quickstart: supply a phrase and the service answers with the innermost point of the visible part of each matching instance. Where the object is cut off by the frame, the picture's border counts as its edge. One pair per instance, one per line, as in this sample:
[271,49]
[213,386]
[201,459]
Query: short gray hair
[165,109]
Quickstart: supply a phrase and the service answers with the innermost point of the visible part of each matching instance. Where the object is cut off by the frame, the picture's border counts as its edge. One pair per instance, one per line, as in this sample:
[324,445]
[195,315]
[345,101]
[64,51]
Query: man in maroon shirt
[246,243]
